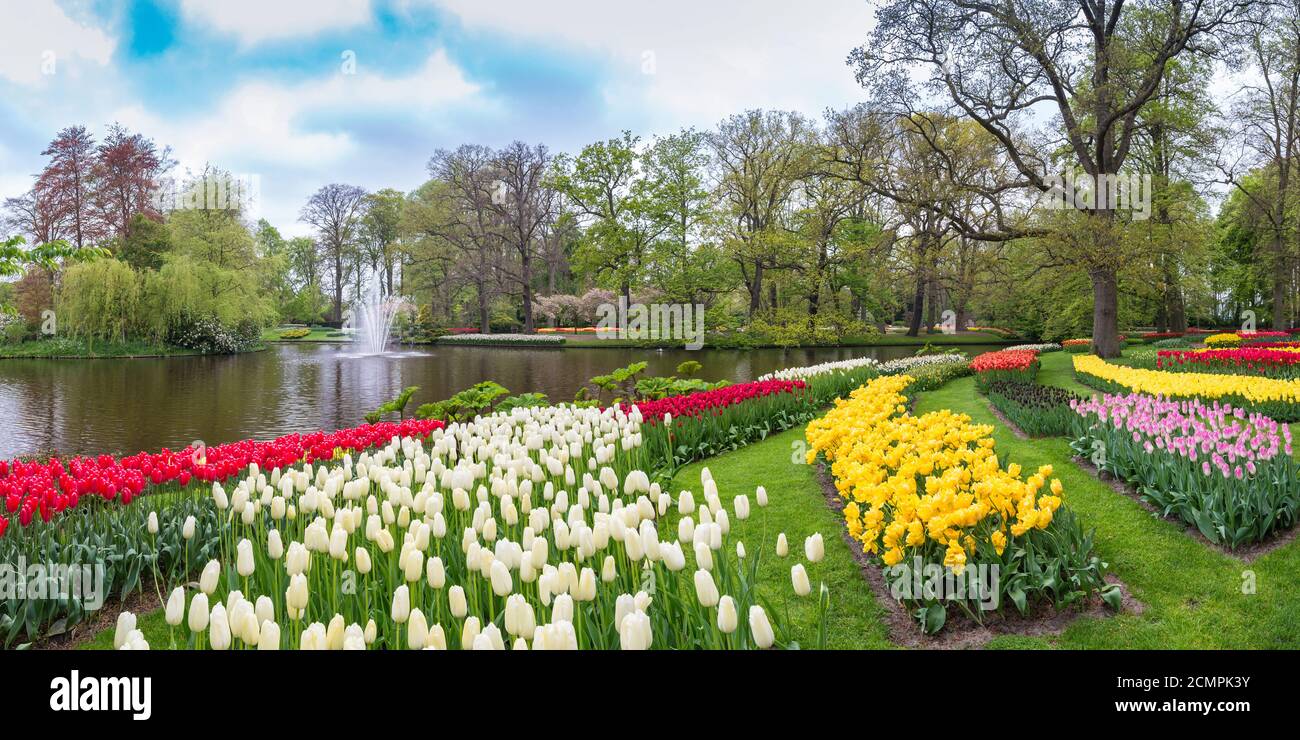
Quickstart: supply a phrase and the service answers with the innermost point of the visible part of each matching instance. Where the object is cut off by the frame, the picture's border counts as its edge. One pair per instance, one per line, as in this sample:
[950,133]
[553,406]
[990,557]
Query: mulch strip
[1245,553]
[960,632]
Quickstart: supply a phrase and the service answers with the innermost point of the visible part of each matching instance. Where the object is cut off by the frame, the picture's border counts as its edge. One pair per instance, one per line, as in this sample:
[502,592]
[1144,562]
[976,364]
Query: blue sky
[301,93]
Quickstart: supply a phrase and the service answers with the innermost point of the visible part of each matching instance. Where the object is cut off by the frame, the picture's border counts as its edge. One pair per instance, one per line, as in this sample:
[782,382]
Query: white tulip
[219,628]
[635,632]
[296,595]
[264,609]
[727,618]
[760,628]
[274,545]
[813,548]
[401,604]
[609,569]
[175,612]
[152,525]
[187,530]
[468,632]
[362,559]
[760,495]
[799,577]
[705,589]
[198,612]
[269,638]
[125,624]
[782,547]
[456,598]
[417,630]
[208,578]
[502,584]
[435,573]
[742,507]
[244,562]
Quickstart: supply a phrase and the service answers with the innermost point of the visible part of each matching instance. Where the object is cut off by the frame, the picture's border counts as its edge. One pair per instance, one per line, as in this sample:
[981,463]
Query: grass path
[798,508]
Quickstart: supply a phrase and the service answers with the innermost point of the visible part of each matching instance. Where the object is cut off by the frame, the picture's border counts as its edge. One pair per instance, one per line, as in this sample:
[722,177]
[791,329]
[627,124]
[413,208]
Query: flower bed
[553,552]
[1076,345]
[1277,399]
[46,488]
[1225,472]
[534,340]
[1281,362]
[681,429]
[78,510]
[1222,340]
[1038,410]
[1040,348]
[829,380]
[1008,365]
[967,510]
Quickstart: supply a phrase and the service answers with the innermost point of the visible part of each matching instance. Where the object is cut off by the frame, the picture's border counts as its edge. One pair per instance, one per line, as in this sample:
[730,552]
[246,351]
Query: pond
[126,406]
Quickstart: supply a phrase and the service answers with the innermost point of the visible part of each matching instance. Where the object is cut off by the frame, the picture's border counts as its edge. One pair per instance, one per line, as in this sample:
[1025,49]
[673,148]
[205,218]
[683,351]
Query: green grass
[318,334]
[797,507]
[65,347]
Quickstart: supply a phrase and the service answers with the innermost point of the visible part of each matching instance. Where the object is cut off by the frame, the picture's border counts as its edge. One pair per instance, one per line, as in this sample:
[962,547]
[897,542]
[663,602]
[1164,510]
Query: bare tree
[464,217]
[524,204]
[335,211]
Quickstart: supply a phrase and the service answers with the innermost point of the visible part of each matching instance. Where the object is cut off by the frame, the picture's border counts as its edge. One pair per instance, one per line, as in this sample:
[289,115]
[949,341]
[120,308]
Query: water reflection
[124,406]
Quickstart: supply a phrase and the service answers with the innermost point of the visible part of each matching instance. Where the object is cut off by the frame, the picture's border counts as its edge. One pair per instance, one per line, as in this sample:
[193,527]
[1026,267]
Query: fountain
[372,319]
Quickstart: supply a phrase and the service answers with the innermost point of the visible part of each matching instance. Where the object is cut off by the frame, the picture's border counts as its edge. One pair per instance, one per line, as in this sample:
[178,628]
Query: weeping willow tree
[99,301]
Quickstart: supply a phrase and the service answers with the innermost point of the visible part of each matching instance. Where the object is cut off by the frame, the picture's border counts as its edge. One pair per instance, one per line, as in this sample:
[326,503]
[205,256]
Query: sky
[295,94]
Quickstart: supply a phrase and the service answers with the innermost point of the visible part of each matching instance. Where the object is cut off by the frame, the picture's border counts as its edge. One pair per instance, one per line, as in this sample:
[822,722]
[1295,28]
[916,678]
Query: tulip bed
[1004,366]
[88,511]
[830,380]
[966,511]
[1275,398]
[1226,472]
[534,529]
[1282,362]
[1038,410]
[1076,345]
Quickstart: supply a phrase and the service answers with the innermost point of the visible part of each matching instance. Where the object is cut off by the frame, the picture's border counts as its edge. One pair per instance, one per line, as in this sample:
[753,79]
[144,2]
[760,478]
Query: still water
[125,406]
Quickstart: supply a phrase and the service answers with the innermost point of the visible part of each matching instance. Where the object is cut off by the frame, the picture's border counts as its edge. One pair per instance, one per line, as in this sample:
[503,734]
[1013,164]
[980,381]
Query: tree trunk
[1105,312]
[527,270]
[1280,280]
[483,325]
[338,285]
[756,289]
[918,307]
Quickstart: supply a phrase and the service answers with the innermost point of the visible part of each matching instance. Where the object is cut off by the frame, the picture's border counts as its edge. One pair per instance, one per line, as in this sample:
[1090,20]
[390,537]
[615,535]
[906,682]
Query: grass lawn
[318,334]
[64,347]
[797,507]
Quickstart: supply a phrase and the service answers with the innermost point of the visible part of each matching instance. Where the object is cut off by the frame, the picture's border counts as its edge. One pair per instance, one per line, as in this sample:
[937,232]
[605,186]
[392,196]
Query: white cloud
[255,21]
[268,129]
[686,62]
[40,41]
